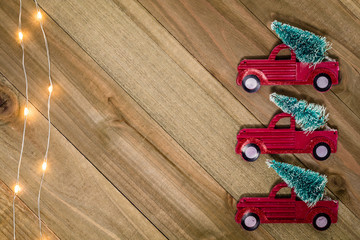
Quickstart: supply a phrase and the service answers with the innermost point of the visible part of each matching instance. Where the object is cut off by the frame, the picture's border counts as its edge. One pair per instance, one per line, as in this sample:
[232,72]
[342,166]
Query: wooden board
[149,82]
[341,28]
[137,169]
[27,226]
[77,200]
[197,32]
[146,94]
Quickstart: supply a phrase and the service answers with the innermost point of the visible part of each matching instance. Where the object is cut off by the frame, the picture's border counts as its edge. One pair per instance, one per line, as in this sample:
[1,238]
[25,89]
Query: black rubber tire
[247,158]
[243,83]
[326,226]
[322,89]
[316,156]
[253,227]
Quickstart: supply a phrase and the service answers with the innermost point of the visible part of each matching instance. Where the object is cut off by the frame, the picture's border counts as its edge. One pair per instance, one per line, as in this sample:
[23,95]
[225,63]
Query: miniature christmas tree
[309,186]
[308,116]
[308,47]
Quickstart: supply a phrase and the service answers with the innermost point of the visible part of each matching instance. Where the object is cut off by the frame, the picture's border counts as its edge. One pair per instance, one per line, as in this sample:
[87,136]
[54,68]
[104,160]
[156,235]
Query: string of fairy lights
[17,187]
[26,112]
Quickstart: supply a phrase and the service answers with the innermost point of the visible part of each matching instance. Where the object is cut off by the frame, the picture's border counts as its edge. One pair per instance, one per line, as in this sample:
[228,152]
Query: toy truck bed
[252,73]
[252,142]
[253,211]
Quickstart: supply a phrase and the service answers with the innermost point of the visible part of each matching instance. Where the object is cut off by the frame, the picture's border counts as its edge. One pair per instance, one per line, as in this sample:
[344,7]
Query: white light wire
[17,187]
[25,117]
[48,114]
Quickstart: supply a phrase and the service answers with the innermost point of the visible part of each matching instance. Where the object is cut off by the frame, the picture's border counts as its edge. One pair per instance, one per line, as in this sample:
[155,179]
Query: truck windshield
[284,54]
[284,193]
[283,123]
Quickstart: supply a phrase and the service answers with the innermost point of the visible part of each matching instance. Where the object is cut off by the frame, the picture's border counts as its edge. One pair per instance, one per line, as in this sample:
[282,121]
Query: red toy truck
[253,73]
[252,142]
[255,210]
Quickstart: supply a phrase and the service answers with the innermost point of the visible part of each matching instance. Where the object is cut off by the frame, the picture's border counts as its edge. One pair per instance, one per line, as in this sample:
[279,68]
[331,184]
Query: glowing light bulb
[17,188]
[21,36]
[50,89]
[26,111]
[39,15]
[44,165]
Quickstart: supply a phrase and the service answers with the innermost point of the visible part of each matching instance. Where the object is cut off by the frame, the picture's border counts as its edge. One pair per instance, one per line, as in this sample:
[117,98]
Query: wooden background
[145,113]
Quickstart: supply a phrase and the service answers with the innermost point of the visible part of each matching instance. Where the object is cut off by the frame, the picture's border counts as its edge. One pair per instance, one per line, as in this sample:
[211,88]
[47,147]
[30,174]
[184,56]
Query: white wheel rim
[321,222]
[250,221]
[251,152]
[251,83]
[321,151]
[322,82]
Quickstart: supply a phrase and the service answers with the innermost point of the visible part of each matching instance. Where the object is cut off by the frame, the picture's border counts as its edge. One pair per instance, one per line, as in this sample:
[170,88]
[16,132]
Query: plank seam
[27,207]
[136,101]
[146,113]
[331,90]
[85,158]
[302,163]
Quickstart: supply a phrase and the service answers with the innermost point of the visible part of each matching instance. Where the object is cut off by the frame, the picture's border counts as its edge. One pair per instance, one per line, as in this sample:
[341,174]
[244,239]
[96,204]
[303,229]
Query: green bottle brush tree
[308,47]
[308,116]
[308,185]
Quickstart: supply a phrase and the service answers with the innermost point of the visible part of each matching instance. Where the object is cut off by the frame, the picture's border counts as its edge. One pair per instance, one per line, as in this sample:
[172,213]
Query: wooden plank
[74,213]
[353,7]
[192,29]
[201,77]
[27,221]
[123,142]
[338,21]
[77,201]
[165,91]
[240,29]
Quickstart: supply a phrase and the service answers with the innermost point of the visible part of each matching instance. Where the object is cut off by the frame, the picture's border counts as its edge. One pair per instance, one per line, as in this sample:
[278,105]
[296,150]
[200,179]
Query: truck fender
[243,211]
[316,210]
[316,140]
[317,71]
[242,142]
[250,71]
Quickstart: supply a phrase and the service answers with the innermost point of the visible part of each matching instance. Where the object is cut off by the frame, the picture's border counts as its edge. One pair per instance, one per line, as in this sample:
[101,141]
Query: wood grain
[145,115]
[126,145]
[152,80]
[198,34]
[338,22]
[72,190]
[77,200]
[27,227]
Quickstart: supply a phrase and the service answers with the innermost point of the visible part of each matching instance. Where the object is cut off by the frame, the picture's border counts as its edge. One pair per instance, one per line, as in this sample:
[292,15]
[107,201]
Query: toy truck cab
[252,73]
[251,211]
[252,142]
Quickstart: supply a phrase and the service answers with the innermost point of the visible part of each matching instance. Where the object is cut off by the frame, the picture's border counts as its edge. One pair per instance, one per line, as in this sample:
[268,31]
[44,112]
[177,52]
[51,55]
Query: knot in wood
[9,104]
[337,183]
